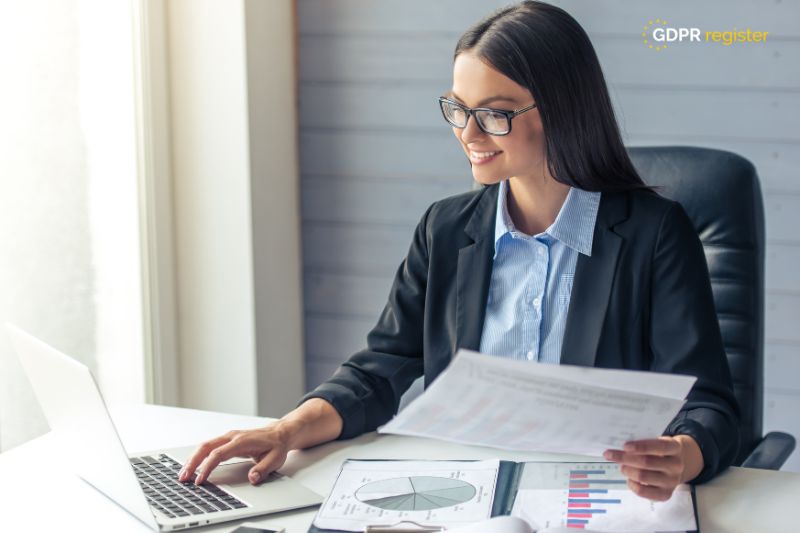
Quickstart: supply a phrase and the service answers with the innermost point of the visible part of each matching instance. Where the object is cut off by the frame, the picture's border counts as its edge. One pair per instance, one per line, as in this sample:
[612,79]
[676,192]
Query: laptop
[145,485]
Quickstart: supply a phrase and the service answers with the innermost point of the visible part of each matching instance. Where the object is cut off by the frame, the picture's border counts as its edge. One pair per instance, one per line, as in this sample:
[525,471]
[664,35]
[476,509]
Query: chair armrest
[771,452]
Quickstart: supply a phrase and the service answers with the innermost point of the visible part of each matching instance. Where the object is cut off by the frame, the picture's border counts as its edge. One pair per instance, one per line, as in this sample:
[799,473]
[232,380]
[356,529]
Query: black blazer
[642,301]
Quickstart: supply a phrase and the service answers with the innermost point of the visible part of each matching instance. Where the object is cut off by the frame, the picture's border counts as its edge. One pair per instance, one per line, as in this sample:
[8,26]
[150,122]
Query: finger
[657,494]
[651,477]
[668,463]
[659,446]
[272,461]
[223,453]
[200,454]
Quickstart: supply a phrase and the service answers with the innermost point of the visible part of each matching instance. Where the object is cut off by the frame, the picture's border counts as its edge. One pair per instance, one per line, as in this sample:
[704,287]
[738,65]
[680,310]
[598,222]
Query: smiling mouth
[483,157]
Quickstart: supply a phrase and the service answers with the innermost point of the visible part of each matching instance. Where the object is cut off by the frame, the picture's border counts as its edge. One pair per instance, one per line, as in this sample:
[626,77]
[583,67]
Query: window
[70,252]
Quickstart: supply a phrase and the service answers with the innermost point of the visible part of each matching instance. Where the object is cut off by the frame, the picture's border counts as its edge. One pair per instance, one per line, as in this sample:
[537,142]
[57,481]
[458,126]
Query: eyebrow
[485,101]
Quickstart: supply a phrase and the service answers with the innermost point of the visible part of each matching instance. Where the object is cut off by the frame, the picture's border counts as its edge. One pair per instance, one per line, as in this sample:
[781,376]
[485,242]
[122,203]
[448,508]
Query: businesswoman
[563,255]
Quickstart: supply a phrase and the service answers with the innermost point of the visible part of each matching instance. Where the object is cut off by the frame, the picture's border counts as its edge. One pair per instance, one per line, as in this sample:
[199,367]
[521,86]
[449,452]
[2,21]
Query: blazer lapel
[474,272]
[591,289]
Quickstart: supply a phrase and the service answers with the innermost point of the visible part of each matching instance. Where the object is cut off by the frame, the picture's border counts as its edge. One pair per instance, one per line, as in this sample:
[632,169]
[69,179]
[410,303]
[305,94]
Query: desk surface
[33,479]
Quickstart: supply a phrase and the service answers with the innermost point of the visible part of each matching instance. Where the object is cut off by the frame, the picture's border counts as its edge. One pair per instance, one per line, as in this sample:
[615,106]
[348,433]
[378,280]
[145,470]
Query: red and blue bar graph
[584,496]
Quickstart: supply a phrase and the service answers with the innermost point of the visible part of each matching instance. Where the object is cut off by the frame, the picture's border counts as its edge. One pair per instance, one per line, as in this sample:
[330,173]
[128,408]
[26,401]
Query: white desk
[38,494]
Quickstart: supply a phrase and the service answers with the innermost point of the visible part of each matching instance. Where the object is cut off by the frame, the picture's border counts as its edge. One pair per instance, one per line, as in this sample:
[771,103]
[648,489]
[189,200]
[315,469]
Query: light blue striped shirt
[531,285]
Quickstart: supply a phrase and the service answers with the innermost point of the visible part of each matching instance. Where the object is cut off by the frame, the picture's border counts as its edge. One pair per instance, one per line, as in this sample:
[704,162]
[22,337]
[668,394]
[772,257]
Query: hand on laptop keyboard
[267,446]
[313,422]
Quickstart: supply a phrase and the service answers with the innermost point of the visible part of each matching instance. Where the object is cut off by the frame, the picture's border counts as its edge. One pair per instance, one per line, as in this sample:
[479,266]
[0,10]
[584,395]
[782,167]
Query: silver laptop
[145,485]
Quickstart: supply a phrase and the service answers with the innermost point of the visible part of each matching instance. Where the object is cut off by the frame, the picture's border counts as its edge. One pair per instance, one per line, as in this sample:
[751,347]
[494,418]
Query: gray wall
[375,151]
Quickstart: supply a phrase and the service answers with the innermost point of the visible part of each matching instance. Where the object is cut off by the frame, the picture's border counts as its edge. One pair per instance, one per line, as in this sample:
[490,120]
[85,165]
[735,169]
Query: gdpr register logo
[657,34]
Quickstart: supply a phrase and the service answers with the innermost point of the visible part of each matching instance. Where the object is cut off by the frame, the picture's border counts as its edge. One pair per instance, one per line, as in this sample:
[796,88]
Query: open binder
[581,495]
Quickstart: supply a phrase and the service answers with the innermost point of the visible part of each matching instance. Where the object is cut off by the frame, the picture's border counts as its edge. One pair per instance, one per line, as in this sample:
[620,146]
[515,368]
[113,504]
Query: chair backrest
[720,192]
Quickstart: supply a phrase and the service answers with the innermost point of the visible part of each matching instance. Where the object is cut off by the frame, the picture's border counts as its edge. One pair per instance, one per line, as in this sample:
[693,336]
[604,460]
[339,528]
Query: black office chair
[721,194]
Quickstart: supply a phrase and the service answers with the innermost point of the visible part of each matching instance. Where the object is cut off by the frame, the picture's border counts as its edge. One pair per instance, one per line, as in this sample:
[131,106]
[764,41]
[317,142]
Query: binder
[506,487]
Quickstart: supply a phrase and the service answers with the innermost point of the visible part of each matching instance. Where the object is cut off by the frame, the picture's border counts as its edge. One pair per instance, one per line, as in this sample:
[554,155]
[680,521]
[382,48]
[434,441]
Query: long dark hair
[542,48]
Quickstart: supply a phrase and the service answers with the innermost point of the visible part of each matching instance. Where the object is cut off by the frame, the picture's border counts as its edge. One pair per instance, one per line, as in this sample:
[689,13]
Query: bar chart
[588,495]
[595,495]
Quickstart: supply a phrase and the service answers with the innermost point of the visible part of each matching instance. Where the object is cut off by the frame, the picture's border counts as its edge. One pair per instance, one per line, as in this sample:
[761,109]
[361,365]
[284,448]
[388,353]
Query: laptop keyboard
[158,477]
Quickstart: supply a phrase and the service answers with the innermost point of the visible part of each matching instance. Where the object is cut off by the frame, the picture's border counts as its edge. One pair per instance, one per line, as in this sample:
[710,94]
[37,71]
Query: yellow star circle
[647,26]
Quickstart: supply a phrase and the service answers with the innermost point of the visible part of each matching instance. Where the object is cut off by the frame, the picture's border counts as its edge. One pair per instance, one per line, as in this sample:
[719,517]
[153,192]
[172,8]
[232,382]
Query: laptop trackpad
[281,492]
[231,474]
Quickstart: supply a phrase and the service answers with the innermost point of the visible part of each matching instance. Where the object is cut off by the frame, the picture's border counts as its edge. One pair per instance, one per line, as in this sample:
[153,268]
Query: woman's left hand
[655,467]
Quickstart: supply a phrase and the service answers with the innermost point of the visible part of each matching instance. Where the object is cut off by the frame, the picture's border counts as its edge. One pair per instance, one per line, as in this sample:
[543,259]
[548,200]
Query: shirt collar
[574,225]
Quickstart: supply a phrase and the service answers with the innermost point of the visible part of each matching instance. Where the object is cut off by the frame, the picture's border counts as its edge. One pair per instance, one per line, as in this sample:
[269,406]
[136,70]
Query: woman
[563,256]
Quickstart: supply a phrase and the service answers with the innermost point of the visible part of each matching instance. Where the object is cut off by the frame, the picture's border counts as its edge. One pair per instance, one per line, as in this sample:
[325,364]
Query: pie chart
[416,493]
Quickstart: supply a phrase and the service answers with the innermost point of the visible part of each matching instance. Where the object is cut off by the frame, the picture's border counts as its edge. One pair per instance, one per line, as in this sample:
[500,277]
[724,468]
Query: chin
[484,179]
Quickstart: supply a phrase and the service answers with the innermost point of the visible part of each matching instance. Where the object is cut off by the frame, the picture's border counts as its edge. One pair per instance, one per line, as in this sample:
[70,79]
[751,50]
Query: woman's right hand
[267,447]
[313,422]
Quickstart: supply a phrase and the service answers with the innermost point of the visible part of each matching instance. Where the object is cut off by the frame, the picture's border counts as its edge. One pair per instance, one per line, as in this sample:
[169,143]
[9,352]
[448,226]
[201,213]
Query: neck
[533,204]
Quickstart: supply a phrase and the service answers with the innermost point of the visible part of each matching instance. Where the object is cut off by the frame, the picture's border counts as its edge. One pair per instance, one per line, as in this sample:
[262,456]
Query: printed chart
[440,493]
[595,496]
[588,495]
[418,493]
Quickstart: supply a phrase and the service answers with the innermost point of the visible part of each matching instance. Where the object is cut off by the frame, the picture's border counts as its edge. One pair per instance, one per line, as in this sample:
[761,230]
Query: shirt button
[536,302]
[530,356]
[541,251]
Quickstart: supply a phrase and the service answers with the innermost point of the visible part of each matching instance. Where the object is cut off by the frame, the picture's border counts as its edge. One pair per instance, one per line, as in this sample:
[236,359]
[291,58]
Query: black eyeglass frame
[471,111]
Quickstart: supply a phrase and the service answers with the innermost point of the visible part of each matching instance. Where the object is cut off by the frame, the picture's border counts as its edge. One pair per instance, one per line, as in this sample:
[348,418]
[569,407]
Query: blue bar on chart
[595,500]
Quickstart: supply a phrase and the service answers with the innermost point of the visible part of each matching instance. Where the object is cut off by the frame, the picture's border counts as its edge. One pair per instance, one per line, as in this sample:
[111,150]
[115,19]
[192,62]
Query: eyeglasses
[491,121]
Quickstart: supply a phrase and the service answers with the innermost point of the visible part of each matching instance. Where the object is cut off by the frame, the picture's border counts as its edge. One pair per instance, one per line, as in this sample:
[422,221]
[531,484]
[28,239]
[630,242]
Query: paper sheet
[595,496]
[437,493]
[499,524]
[519,405]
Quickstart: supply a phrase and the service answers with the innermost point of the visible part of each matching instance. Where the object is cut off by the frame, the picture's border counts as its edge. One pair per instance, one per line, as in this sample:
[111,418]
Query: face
[519,154]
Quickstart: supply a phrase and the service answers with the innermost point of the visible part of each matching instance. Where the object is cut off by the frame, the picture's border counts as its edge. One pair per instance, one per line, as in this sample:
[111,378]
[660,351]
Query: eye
[457,113]
[493,121]
[454,112]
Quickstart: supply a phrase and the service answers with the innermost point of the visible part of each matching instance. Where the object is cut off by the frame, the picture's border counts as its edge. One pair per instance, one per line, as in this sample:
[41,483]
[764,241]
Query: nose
[471,132]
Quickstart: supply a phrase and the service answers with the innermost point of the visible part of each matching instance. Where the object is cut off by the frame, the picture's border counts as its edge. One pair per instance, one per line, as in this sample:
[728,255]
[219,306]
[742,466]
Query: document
[595,496]
[519,405]
[408,495]
[441,493]
[510,524]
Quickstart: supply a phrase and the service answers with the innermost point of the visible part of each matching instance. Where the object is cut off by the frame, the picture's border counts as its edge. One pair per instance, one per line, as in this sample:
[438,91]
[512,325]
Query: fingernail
[608,455]
[255,476]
